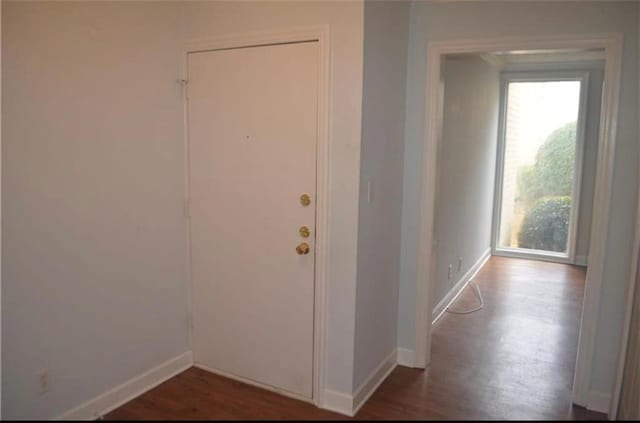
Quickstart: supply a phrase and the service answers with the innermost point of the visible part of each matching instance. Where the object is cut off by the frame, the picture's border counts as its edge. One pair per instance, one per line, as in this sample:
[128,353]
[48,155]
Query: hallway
[514,359]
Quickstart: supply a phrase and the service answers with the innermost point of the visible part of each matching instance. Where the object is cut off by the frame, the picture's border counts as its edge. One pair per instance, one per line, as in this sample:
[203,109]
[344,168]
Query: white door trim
[631,292]
[541,76]
[319,33]
[612,46]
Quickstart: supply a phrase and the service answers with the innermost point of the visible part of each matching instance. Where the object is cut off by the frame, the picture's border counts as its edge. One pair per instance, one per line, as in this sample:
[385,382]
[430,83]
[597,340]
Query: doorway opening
[509,183]
[541,50]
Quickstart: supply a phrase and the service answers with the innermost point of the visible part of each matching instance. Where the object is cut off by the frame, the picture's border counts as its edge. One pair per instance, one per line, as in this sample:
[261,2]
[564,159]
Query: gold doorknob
[305,200]
[304,232]
[303,248]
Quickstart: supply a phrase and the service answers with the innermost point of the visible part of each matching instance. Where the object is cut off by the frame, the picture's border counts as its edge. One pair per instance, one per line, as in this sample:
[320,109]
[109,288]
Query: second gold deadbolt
[304,232]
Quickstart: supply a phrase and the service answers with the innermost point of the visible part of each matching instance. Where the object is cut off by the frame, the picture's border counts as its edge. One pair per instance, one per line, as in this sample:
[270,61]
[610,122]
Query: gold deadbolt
[303,248]
[304,232]
[305,200]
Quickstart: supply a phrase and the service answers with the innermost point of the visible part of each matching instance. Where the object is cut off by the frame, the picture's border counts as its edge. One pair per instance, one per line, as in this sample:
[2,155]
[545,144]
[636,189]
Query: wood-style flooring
[514,359]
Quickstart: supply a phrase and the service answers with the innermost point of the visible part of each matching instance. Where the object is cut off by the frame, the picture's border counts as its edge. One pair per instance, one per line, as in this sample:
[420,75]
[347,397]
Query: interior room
[320,210]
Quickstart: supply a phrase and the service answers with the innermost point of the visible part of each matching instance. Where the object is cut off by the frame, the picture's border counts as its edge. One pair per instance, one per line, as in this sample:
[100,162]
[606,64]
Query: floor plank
[514,359]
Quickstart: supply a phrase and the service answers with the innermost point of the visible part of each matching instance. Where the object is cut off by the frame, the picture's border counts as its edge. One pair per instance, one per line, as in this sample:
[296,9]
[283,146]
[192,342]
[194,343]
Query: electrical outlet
[44,382]
[459,264]
[449,274]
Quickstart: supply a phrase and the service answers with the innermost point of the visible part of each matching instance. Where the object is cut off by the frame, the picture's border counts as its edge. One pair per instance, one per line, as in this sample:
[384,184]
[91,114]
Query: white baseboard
[582,260]
[598,401]
[252,382]
[457,289]
[114,398]
[375,378]
[349,405]
[338,401]
[406,358]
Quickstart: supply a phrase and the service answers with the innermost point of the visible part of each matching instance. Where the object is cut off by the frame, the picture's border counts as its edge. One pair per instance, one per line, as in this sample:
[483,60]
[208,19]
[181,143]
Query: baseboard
[457,289]
[252,382]
[406,358]
[375,378]
[114,398]
[581,261]
[349,405]
[598,401]
[338,402]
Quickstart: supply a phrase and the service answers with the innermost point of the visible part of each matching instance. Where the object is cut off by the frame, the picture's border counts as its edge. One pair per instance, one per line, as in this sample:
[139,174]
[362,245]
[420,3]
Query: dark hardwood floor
[514,359]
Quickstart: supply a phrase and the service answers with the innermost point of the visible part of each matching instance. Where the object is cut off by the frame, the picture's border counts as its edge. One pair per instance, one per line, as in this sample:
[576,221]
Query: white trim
[406,357]
[374,380]
[134,387]
[258,38]
[582,261]
[348,404]
[541,75]
[600,219]
[540,255]
[338,402]
[321,34]
[457,289]
[252,382]
[612,46]
[598,401]
[552,58]
[626,326]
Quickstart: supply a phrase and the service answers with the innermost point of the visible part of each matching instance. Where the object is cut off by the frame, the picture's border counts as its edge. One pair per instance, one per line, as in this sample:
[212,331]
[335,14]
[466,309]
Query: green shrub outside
[545,189]
[546,225]
[552,172]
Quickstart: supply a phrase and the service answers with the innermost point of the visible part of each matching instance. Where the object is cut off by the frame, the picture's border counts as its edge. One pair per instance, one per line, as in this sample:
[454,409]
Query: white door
[252,150]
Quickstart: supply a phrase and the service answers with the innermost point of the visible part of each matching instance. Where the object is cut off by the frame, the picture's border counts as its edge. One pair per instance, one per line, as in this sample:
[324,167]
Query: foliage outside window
[545,189]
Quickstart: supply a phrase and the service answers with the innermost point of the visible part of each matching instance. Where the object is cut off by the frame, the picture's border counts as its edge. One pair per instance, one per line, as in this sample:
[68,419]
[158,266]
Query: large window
[539,166]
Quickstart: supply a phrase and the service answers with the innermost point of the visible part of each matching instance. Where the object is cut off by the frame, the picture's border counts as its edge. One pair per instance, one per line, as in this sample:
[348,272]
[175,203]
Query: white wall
[92,186]
[466,166]
[447,21]
[205,20]
[386,26]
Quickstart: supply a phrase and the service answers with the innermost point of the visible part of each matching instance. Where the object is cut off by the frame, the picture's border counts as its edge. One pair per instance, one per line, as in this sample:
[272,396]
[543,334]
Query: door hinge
[185,85]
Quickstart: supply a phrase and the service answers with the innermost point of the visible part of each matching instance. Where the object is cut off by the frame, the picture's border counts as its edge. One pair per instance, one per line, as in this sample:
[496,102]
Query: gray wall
[386,26]
[466,166]
[430,22]
[93,230]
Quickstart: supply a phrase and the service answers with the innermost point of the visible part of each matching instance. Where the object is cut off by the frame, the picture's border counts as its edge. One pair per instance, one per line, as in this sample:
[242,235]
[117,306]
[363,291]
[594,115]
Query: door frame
[628,312]
[319,34]
[611,44]
[541,76]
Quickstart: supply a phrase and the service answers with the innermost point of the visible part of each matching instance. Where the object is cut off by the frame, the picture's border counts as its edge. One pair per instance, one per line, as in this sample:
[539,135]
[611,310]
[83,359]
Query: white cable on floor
[478,295]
